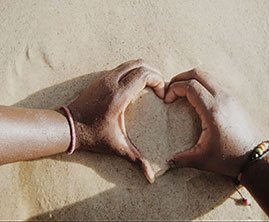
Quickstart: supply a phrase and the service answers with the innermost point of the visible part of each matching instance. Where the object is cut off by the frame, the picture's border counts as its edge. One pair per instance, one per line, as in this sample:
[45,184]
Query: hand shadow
[174,196]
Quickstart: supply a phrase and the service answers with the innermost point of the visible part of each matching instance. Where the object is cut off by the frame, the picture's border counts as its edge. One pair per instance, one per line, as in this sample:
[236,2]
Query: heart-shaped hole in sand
[160,130]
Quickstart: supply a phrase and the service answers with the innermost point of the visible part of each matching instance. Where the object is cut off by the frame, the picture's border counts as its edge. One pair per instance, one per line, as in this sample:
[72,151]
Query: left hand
[228,132]
[98,111]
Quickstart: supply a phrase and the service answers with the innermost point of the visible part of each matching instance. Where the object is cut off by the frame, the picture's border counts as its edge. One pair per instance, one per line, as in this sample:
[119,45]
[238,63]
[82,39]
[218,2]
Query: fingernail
[167,100]
[161,94]
[149,173]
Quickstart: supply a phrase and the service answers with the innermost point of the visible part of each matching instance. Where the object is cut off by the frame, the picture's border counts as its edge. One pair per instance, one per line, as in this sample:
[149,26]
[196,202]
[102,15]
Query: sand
[160,130]
[50,50]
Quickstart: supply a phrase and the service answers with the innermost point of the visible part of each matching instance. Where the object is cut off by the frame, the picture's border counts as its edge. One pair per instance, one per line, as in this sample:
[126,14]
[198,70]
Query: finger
[126,149]
[138,79]
[202,77]
[147,169]
[142,162]
[126,67]
[189,158]
[122,146]
[202,101]
[194,157]
[196,94]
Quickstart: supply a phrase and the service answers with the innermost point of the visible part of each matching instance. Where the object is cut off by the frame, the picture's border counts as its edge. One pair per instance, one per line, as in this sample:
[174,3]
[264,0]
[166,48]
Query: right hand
[228,134]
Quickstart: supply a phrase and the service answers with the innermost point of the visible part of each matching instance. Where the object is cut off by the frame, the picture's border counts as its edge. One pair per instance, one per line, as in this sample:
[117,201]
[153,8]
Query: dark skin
[228,134]
[225,143]
[98,111]
[98,114]
[255,179]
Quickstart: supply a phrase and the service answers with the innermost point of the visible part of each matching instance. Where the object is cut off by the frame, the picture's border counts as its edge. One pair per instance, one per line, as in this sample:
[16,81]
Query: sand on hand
[50,50]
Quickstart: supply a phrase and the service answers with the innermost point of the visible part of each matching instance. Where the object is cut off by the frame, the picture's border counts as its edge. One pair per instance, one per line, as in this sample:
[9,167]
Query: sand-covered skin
[45,43]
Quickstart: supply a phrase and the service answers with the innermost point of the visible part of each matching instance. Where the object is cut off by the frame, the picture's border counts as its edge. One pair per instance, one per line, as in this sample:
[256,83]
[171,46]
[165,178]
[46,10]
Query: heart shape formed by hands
[99,116]
[160,130]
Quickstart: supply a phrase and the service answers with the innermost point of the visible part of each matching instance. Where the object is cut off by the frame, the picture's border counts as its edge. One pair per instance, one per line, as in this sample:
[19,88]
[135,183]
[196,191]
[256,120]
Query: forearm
[256,179]
[31,133]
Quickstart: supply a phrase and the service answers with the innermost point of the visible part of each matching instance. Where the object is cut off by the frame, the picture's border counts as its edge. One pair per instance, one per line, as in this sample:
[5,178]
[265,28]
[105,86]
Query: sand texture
[50,50]
[160,130]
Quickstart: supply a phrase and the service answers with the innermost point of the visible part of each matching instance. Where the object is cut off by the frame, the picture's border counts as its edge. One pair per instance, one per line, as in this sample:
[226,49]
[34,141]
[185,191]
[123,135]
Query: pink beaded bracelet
[70,119]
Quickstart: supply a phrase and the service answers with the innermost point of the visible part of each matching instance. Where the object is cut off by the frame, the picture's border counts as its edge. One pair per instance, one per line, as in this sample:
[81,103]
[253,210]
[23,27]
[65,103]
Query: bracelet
[70,119]
[258,153]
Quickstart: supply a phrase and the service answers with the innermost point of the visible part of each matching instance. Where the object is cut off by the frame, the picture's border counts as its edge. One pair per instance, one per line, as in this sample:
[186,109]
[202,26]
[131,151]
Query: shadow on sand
[174,196]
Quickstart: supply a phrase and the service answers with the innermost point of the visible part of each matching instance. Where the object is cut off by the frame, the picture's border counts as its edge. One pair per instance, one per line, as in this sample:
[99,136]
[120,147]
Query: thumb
[190,158]
[142,162]
[147,169]
[126,149]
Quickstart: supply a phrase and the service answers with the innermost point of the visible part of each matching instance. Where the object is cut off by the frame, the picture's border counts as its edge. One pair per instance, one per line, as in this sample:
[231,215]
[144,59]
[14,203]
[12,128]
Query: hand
[227,134]
[98,111]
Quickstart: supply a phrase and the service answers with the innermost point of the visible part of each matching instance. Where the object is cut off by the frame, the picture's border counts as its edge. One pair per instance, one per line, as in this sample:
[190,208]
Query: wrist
[257,161]
[241,159]
[85,134]
[255,177]
[74,142]
[86,137]
[255,172]
[237,164]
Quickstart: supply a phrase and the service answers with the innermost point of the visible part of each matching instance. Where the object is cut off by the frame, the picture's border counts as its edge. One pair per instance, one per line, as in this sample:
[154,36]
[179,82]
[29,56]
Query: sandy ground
[49,50]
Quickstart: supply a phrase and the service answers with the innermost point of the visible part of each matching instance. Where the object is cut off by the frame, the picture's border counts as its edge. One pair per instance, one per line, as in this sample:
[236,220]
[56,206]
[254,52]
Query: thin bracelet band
[70,119]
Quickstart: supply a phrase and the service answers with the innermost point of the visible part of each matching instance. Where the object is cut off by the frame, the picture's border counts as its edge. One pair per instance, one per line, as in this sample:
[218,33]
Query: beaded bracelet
[70,119]
[258,153]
